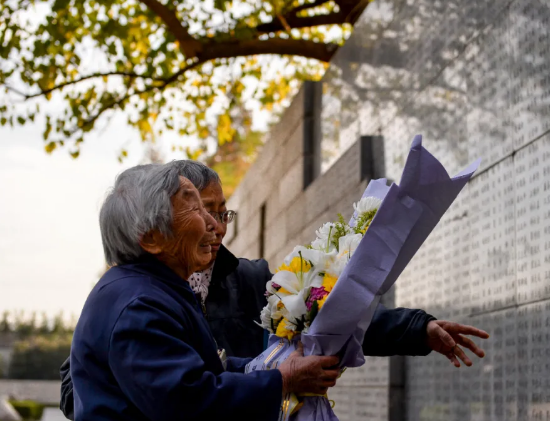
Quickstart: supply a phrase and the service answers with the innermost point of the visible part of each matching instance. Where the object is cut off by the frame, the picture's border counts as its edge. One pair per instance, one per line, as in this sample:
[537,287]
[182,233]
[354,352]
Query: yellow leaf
[203,133]
[50,147]
[144,126]
[225,129]
[193,155]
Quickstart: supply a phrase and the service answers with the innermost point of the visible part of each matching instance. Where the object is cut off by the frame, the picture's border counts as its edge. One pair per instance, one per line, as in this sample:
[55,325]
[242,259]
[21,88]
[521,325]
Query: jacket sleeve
[236,364]
[400,331]
[66,403]
[164,377]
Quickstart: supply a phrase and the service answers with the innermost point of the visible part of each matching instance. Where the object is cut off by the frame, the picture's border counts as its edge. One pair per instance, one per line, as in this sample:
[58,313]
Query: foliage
[39,357]
[232,159]
[29,410]
[5,323]
[26,325]
[341,229]
[180,66]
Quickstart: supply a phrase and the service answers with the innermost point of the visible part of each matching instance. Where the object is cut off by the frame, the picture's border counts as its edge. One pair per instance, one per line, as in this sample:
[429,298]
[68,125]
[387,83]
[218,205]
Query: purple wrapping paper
[408,214]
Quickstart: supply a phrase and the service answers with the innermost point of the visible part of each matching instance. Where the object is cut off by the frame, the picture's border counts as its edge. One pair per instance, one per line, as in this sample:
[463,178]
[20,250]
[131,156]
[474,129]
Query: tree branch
[189,46]
[306,6]
[309,49]
[302,22]
[279,46]
[165,82]
[83,78]
[352,9]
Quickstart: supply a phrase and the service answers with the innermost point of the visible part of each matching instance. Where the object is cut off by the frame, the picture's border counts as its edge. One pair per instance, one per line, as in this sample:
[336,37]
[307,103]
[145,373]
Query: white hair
[139,202]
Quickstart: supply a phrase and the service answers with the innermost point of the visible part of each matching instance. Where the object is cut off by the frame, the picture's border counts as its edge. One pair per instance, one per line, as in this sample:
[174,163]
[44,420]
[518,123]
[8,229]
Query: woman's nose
[211,223]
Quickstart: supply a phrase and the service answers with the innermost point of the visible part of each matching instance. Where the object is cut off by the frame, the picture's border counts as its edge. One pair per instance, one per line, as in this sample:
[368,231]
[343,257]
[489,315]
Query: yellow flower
[321,302]
[328,282]
[283,331]
[297,264]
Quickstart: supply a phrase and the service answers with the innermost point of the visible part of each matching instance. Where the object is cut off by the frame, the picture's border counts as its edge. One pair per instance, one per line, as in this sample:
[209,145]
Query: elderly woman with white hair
[142,349]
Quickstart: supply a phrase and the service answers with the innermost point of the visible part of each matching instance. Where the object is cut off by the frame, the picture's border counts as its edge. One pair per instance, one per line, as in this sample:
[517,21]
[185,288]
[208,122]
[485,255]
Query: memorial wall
[473,77]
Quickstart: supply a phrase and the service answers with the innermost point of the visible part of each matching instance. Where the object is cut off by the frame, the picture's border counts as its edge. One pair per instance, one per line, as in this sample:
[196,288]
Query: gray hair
[196,172]
[140,202]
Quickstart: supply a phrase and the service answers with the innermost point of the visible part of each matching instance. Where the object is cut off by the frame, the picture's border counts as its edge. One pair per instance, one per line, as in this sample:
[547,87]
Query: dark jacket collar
[225,264]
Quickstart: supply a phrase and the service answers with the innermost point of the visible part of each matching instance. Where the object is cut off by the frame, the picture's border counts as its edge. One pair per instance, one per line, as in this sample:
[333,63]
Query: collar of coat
[226,263]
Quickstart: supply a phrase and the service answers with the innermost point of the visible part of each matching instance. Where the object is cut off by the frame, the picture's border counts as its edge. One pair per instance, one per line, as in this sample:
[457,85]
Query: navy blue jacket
[142,350]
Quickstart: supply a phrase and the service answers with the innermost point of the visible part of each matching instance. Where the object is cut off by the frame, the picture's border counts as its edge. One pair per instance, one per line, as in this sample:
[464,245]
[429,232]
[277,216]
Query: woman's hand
[445,337]
[313,374]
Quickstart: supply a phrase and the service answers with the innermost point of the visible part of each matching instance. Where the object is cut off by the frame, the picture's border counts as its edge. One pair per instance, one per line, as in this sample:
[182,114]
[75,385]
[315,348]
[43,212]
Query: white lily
[295,289]
[319,259]
[271,312]
[367,204]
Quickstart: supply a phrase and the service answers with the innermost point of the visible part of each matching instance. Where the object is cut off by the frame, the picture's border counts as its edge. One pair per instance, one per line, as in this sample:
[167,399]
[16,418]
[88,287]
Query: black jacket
[236,298]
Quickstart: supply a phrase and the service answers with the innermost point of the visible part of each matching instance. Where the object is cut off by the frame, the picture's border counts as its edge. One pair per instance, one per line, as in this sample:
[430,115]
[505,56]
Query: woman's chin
[204,255]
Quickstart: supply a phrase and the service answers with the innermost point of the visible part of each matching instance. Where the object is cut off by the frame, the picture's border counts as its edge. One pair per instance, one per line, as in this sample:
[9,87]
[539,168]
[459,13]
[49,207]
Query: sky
[50,246]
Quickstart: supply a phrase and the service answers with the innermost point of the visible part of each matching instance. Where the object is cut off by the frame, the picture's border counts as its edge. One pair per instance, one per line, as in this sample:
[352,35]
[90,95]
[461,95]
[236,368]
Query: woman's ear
[152,242]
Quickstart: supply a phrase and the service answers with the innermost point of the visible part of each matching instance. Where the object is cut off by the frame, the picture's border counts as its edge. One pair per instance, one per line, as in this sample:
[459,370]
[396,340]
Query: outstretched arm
[401,331]
[404,331]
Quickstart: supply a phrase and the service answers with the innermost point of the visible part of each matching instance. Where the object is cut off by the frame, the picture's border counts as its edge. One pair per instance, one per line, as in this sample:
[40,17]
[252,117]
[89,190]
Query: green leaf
[314,310]
[220,5]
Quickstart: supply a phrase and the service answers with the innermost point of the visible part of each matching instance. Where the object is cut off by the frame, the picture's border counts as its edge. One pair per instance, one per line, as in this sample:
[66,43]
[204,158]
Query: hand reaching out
[447,338]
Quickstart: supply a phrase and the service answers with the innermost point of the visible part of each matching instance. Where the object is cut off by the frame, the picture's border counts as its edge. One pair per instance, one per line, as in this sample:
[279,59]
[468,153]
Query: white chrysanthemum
[323,242]
[325,231]
[366,204]
[348,244]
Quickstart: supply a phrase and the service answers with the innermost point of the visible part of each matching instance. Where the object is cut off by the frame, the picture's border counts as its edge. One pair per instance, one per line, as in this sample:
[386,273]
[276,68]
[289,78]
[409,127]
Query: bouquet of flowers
[325,293]
[302,284]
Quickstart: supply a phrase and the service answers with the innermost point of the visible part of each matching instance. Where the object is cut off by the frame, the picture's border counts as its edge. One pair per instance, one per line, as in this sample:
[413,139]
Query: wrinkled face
[190,245]
[214,201]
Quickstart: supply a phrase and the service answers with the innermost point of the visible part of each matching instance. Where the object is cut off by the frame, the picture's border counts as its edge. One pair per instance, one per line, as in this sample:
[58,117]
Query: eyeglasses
[224,217]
